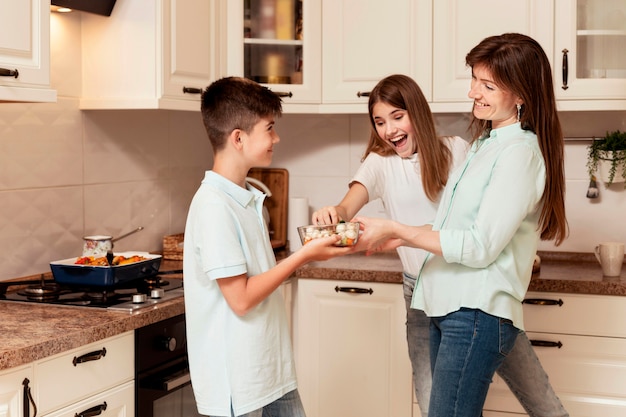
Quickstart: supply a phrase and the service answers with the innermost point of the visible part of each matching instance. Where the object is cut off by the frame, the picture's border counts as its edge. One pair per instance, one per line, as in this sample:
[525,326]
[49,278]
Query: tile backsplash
[67,173]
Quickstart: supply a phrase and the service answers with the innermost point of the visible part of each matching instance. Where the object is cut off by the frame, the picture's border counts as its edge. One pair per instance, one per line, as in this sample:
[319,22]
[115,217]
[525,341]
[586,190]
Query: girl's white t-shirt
[398,183]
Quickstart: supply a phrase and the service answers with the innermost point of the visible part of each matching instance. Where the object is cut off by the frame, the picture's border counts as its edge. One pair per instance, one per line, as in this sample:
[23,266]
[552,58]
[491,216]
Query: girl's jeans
[521,369]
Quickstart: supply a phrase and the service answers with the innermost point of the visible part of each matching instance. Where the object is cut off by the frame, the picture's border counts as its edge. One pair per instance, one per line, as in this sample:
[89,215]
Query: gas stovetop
[130,297]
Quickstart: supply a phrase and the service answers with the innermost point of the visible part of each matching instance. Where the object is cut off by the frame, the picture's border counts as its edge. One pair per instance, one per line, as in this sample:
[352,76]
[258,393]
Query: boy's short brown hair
[236,103]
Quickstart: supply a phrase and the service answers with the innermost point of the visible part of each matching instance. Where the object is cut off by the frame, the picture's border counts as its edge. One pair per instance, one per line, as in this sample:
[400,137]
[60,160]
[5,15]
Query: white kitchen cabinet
[149,54]
[116,402]
[25,51]
[364,41]
[590,62]
[266,41]
[459,25]
[583,350]
[350,348]
[14,384]
[86,371]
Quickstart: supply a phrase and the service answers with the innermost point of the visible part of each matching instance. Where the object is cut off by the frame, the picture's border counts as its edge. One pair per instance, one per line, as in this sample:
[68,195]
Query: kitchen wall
[66,173]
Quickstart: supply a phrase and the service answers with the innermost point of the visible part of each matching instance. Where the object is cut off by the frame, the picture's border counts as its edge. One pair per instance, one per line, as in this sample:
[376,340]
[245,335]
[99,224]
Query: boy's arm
[243,293]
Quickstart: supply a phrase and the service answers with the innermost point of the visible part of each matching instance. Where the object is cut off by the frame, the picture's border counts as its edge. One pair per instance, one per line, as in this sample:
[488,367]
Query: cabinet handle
[91,356]
[288,94]
[546,343]
[362,93]
[93,411]
[354,290]
[4,72]
[565,69]
[28,399]
[543,302]
[192,90]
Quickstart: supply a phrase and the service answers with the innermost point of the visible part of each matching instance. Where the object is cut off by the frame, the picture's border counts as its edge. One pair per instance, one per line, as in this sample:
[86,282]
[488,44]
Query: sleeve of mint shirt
[509,185]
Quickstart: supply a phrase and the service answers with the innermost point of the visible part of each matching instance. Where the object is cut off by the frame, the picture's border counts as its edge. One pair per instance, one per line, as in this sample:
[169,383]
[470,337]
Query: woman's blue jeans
[466,348]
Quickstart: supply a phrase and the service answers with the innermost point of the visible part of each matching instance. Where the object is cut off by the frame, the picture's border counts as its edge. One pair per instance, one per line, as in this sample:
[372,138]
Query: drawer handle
[543,302]
[546,343]
[4,72]
[565,69]
[354,290]
[192,90]
[28,399]
[93,411]
[91,356]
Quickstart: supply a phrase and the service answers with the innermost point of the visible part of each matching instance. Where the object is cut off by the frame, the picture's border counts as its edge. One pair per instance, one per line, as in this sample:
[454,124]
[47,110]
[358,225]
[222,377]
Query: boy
[239,347]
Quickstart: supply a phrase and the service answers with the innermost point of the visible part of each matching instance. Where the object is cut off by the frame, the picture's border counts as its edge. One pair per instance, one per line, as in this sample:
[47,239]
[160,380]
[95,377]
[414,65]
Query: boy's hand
[324,248]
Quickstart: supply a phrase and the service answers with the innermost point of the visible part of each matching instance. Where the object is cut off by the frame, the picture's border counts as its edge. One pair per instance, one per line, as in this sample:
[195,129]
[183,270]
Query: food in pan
[102,261]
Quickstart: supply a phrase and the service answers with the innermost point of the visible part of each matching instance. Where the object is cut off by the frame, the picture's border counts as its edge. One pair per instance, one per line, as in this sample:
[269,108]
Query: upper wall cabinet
[276,43]
[589,54]
[459,25]
[149,54]
[25,51]
[324,56]
[364,41]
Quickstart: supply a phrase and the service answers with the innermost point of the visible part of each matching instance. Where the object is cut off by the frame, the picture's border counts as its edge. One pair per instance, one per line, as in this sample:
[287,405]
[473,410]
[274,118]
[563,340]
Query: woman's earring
[519,111]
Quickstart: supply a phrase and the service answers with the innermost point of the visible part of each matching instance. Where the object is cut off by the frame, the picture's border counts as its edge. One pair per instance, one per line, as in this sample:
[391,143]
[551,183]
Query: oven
[162,381]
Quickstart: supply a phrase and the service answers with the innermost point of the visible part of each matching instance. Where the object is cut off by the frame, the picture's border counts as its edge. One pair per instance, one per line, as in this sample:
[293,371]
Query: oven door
[166,393]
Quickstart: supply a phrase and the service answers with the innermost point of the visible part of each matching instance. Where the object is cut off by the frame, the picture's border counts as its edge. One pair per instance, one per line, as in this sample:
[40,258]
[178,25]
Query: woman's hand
[376,235]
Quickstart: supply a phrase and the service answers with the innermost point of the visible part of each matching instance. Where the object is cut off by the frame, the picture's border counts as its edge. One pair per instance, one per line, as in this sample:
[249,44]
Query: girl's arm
[356,197]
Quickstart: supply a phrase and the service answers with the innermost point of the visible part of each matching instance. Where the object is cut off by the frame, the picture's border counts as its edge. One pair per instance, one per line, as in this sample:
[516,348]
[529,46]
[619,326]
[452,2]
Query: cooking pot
[99,245]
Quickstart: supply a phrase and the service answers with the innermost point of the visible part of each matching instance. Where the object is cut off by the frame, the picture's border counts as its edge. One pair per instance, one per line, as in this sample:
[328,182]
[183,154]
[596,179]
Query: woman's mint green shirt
[488,223]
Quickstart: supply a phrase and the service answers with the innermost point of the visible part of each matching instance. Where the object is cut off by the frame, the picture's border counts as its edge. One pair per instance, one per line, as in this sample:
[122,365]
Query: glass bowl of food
[349,232]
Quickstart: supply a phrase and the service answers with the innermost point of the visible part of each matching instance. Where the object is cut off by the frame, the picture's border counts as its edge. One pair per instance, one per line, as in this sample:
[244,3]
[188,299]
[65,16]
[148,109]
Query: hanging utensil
[592,190]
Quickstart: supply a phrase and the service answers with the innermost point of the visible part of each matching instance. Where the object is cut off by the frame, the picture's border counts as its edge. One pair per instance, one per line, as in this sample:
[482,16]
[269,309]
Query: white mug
[611,256]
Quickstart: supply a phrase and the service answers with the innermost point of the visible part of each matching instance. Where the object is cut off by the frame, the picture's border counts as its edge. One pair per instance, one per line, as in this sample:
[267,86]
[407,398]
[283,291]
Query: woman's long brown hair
[402,92]
[519,65]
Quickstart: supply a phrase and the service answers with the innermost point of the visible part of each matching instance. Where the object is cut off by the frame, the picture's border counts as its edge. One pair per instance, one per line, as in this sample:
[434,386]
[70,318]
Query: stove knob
[157,293]
[139,298]
[168,343]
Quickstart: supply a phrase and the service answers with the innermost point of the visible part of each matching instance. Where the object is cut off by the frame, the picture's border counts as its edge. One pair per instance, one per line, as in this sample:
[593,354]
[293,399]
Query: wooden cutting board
[277,180]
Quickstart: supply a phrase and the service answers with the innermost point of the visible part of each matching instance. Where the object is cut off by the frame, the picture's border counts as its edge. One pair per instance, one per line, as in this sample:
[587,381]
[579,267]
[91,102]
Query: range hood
[102,7]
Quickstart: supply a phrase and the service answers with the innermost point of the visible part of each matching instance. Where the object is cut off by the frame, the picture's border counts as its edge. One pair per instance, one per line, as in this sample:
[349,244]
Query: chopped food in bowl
[349,232]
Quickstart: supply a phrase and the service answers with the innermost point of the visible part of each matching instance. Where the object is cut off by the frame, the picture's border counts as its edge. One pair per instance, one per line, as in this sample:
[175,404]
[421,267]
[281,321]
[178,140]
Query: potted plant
[608,156]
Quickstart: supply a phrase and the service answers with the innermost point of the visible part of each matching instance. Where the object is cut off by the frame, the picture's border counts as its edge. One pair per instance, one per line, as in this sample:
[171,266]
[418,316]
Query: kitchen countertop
[27,339]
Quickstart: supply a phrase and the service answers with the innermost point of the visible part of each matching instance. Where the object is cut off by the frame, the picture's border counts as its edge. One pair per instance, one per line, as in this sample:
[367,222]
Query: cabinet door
[116,402]
[364,41]
[86,371]
[25,51]
[586,372]
[189,48]
[12,391]
[591,33]
[351,352]
[459,25]
[267,41]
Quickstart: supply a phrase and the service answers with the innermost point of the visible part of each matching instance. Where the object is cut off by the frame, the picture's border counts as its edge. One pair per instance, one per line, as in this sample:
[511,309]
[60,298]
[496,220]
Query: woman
[406,165]
[507,195]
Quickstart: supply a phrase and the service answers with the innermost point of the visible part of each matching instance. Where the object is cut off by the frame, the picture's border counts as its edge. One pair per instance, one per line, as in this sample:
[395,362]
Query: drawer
[63,379]
[587,373]
[116,402]
[596,315]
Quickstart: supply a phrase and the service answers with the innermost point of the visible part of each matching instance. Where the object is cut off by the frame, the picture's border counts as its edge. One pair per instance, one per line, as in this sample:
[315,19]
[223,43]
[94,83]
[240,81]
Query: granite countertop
[32,332]
[565,272]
